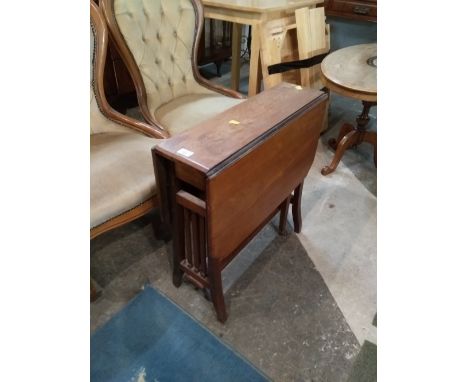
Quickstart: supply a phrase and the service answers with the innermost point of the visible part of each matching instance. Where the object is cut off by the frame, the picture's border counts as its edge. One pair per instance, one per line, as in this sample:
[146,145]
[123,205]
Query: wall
[349,32]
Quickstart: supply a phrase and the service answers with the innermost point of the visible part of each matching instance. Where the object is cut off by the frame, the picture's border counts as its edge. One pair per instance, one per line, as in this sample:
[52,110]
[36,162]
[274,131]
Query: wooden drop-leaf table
[223,180]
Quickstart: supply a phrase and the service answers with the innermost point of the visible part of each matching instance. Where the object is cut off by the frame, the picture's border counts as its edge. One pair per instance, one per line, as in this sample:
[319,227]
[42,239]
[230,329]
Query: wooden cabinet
[364,10]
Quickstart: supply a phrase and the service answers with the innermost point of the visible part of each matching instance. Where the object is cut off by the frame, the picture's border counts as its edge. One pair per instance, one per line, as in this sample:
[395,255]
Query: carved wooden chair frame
[127,57]
[100,52]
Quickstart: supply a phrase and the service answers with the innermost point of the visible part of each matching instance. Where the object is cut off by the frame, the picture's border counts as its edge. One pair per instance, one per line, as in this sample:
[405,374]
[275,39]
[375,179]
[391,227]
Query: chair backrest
[157,39]
[292,38]
[98,49]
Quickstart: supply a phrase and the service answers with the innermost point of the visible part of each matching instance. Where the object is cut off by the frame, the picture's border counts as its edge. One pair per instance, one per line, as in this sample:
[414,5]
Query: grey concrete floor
[282,316]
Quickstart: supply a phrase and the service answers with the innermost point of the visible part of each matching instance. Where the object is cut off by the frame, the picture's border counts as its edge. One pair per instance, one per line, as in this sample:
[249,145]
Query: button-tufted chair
[122,177]
[158,41]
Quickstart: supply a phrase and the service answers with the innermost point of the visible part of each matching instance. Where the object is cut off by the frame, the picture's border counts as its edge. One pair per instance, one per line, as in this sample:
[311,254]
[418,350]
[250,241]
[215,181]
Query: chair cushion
[183,113]
[122,175]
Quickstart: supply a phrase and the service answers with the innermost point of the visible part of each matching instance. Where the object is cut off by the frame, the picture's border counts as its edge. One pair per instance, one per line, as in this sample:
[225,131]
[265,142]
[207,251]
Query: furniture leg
[345,129]
[363,118]
[176,214]
[255,64]
[216,289]
[284,216]
[347,141]
[296,208]
[236,48]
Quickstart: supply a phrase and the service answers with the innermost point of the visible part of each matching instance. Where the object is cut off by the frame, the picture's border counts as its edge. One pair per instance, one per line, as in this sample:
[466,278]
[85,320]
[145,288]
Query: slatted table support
[222,181]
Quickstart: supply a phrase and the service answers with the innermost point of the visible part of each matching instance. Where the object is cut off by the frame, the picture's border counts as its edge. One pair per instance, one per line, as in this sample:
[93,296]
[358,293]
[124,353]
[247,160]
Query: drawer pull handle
[360,10]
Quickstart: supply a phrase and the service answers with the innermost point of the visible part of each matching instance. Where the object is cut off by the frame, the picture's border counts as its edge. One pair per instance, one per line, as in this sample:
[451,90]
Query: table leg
[236,53]
[296,208]
[216,289]
[346,142]
[255,64]
[352,136]
[284,216]
[345,129]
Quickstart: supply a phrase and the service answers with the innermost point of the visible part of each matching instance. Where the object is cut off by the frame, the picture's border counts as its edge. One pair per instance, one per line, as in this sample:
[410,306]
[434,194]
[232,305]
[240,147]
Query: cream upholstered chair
[158,41]
[123,184]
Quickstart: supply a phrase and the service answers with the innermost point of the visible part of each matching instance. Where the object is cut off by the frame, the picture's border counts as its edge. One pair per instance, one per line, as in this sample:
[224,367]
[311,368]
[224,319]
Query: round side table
[352,72]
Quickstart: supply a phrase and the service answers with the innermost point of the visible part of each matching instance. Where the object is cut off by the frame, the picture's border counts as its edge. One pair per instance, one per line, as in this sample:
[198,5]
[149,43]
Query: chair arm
[143,127]
[218,88]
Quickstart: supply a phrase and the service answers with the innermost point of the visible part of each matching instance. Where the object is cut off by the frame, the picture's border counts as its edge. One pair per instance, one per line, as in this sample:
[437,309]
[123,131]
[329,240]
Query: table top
[226,137]
[262,6]
[354,68]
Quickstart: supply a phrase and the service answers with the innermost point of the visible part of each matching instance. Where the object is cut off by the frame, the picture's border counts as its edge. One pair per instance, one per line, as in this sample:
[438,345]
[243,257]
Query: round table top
[354,68]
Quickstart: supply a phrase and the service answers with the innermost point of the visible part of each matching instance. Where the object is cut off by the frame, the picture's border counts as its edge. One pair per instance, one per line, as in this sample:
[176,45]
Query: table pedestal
[352,136]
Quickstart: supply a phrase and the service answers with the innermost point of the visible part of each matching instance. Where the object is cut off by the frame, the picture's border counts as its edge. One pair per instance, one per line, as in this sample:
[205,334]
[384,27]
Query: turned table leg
[350,136]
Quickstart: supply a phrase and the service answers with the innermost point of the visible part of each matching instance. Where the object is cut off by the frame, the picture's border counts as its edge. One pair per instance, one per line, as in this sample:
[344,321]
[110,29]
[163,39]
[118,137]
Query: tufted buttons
[158,36]
[162,12]
[169,82]
[172,58]
[184,79]
[145,40]
[157,61]
[174,33]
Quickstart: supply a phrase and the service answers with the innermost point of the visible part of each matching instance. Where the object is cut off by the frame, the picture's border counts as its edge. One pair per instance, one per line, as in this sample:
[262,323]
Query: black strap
[285,66]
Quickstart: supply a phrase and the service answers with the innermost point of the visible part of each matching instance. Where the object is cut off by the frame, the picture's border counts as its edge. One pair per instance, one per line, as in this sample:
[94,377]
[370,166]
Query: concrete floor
[293,311]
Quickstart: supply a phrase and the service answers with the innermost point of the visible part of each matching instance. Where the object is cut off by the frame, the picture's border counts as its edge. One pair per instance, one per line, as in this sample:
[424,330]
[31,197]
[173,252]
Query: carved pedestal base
[352,136]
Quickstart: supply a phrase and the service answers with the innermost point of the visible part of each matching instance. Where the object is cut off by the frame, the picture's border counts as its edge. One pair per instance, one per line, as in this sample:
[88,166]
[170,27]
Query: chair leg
[216,289]
[284,216]
[296,208]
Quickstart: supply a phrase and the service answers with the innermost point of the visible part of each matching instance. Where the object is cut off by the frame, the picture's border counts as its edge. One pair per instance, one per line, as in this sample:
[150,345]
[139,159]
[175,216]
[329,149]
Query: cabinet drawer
[359,10]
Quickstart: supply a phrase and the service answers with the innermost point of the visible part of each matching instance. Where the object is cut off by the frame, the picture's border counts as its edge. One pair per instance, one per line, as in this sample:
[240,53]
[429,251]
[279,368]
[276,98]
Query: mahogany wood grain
[216,142]
[281,164]
[250,169]
[191,202]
